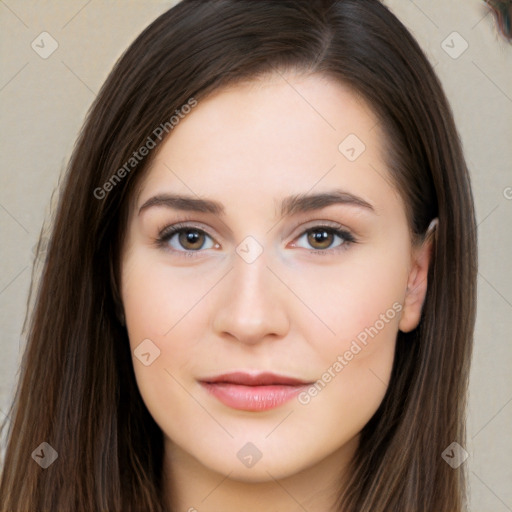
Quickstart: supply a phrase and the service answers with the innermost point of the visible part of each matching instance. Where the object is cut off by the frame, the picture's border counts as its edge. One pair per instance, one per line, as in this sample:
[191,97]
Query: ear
[417,281]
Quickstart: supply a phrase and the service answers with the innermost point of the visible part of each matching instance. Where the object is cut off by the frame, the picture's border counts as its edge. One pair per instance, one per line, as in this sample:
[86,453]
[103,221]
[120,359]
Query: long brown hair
[77,389]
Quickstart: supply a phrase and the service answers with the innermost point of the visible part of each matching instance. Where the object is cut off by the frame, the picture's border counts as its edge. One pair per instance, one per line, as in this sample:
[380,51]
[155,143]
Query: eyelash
[168,232]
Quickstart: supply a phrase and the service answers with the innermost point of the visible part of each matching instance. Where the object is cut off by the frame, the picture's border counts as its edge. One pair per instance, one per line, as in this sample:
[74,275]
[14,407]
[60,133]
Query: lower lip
[252,398]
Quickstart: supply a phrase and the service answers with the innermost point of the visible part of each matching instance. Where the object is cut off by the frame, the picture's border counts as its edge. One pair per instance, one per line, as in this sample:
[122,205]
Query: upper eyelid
[306,226]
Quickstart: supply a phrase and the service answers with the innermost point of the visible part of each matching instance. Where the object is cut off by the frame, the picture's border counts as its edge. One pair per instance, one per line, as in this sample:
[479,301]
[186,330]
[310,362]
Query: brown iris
[322,236]
[191,239]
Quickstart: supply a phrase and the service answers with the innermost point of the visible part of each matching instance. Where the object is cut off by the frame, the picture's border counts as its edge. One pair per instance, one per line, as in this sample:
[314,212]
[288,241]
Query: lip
[253,392]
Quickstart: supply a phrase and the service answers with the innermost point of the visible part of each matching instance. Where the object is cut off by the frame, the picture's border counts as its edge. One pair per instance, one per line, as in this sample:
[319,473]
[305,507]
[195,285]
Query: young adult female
[259,292]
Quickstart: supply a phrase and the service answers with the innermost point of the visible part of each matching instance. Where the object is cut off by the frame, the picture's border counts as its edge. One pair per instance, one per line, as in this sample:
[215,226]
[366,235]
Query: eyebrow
[291,205]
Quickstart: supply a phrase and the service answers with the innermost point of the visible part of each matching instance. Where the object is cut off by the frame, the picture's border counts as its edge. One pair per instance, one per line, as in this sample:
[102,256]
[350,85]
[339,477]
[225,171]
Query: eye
[321,238]
[189,238]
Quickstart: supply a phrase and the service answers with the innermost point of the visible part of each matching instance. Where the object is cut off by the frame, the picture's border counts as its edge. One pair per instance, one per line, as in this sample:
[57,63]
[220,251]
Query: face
[262,323]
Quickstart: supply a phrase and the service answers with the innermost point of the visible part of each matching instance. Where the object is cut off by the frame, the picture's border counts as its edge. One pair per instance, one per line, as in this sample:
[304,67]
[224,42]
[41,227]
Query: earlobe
[418,281]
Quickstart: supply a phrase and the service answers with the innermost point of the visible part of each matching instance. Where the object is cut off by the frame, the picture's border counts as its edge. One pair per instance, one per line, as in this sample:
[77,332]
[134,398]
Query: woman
[193,346]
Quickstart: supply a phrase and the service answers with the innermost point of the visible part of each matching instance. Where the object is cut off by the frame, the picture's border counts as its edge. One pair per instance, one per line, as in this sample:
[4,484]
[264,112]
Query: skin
[292,311]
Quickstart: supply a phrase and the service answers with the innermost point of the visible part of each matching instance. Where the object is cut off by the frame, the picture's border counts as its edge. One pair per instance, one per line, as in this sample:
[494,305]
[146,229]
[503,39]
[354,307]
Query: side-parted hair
[77,389]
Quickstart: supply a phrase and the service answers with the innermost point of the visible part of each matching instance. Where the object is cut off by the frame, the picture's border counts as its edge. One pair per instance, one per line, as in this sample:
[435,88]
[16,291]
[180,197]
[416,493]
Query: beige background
[43,103]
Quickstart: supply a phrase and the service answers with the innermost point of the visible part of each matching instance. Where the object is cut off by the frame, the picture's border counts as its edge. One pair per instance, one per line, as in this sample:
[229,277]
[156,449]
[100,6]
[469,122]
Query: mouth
[253,392]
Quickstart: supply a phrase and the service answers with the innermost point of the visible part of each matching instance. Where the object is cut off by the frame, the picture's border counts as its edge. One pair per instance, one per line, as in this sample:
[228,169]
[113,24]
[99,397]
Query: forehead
[271,137]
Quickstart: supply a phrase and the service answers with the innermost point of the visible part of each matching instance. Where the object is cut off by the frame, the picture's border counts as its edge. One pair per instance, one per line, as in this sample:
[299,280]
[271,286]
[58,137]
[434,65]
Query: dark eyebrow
[301,203]
[184,203]
[291,205]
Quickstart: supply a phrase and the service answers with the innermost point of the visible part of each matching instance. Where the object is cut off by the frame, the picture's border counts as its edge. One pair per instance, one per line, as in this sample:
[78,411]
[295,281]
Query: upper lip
[258,379]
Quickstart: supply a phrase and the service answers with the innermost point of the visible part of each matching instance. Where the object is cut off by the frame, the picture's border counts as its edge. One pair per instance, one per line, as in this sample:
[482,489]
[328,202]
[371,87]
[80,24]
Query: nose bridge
[252,307]
[251,282]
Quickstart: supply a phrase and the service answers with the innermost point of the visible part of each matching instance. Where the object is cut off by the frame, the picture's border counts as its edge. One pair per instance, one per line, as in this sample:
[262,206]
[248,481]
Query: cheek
[354,366]
[157,297]
[349,391]
[359,300]
[158,303]
[361,305]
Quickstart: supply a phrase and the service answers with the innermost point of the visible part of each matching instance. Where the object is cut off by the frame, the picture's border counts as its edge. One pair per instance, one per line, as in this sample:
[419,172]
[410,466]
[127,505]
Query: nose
[252,306]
